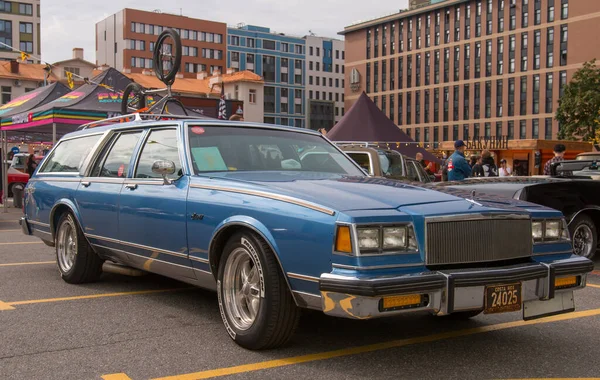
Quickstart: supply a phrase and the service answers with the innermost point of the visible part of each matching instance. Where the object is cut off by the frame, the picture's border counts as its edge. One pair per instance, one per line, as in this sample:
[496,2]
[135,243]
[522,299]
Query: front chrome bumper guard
[448,291]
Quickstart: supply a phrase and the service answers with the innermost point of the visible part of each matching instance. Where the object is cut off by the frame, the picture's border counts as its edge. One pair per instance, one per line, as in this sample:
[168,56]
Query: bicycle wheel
[167,56]
[133,98]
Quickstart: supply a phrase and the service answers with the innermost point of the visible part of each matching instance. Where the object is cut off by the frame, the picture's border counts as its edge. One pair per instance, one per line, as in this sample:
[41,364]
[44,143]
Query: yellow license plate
[502,298]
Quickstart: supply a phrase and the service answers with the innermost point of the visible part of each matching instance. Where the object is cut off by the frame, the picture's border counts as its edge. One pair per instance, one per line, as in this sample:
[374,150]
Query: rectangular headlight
[552,229]
[368,239]
[537,230]
[394,237]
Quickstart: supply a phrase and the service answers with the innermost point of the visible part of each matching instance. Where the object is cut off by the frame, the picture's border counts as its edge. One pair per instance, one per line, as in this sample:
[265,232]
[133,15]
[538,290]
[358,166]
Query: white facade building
[325,81]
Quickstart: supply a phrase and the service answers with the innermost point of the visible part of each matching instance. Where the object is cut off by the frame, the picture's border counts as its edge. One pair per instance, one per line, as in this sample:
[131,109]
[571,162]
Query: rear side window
[69,155]
[362,159]
[116,163]
[161,145]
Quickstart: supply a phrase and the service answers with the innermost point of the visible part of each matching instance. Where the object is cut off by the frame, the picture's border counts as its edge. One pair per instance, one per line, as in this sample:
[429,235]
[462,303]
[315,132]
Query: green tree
[579,107]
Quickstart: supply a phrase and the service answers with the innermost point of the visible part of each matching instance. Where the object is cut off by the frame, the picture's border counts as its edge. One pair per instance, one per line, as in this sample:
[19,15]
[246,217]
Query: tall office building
[279,59]
[325,86]
[126,41]
[460,69]
[20,28]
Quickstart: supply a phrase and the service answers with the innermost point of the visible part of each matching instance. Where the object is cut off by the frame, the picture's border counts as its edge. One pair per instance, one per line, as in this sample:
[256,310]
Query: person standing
[477,170]
[504,169]
[31,165]
[559,155]
[427,167]
[487,163]
[458,167]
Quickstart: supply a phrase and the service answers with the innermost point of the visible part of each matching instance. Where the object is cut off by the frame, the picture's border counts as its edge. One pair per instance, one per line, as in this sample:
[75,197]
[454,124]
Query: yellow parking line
[593,285]
[10,230]
[5,306]
[31,263]
[90,296]
[116,376]
[22,242]
[373,347]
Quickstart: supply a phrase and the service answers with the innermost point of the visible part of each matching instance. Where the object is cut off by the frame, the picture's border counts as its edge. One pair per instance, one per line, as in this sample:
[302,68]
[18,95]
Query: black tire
[278,315]
[583,224]
[138,93]
[169,77]
[86,265]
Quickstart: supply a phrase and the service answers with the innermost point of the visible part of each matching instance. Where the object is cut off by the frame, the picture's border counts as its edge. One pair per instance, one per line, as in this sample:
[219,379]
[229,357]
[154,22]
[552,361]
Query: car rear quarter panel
[569,197]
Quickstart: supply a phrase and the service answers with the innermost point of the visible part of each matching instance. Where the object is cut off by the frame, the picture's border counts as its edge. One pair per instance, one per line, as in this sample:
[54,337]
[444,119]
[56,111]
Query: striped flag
[222,105]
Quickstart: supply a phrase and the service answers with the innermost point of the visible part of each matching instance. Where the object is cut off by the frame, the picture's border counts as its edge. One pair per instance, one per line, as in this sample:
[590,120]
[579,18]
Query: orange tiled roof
[27,72]
[193,85]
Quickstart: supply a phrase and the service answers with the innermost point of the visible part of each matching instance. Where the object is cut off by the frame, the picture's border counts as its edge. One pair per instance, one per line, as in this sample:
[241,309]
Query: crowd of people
[456,167]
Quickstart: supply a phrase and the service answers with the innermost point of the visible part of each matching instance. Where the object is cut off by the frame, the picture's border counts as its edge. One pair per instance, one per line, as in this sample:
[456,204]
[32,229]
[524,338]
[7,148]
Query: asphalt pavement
[150,327]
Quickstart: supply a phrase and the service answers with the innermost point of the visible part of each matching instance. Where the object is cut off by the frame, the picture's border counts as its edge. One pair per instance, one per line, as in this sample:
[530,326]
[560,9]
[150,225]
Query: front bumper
[447,291]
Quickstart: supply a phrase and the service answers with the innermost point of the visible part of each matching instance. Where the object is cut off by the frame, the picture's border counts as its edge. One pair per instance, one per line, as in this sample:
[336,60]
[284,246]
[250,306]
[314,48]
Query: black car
[576,196]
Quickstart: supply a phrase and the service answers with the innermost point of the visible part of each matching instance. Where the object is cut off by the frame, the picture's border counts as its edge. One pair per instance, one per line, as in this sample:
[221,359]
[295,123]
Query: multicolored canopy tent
[99,99]
[17,110]
[365,122]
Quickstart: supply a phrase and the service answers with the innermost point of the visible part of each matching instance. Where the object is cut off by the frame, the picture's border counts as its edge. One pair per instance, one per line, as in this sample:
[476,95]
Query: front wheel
[77,262]
[255,303]
[584,236]
[133,98]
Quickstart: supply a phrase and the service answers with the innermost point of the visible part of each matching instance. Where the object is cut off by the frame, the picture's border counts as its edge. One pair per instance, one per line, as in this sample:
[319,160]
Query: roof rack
[131,117]
[357,143]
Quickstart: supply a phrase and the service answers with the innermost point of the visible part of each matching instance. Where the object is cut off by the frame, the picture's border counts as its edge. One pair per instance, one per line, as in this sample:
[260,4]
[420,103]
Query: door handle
[85,184]
[131,186]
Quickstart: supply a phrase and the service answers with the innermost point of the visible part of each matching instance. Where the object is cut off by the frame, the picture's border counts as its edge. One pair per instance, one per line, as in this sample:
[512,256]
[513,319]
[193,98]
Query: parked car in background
[576,196]
[19,161]
[386,163]
[16,177]
[588,156]
[258,213]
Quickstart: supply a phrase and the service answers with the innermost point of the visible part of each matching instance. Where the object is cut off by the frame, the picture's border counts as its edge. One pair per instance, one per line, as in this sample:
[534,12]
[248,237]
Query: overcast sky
[71,23]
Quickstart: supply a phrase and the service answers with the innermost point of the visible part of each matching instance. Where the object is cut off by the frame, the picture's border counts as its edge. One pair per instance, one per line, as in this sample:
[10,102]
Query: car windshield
[226,149]
[391,163]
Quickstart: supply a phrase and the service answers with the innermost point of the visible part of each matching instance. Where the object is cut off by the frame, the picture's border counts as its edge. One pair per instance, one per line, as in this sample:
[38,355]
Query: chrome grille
[451,241]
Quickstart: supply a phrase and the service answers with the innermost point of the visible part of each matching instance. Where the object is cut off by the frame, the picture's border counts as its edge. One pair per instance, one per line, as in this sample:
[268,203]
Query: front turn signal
[343,241]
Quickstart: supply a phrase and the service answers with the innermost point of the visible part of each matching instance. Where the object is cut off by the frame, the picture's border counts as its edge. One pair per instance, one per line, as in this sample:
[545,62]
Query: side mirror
[164,168]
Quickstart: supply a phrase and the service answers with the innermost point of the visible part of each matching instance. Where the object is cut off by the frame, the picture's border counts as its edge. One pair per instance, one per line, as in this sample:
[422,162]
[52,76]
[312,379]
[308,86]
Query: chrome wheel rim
[66,248]
[583,241]
[241,289]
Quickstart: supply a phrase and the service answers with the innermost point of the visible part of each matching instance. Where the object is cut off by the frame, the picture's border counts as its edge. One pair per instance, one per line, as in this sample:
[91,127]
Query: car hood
[346,193]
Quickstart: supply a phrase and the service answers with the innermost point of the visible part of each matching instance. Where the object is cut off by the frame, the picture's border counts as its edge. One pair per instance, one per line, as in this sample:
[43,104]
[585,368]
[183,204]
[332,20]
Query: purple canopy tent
[365,122]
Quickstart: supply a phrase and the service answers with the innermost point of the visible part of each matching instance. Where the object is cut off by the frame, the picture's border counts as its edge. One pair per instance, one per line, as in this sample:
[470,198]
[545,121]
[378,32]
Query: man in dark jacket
[478,168]
[458,167]
[489,166]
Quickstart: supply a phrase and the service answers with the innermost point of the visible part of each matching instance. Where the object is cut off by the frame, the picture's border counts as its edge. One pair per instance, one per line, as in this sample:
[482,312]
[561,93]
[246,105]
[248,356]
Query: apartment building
[20,28]
[325,86]
[462,69]
[279,59]
[126,39]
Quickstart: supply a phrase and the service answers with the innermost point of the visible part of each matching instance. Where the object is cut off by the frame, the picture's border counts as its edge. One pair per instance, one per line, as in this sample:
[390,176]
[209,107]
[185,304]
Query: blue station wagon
[249,211]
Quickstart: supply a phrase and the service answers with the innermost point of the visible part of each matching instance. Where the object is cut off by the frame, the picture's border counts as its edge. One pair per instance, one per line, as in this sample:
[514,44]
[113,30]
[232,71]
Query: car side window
[114,163]
[362,159]
[160,145]
[69,155]
[413,174]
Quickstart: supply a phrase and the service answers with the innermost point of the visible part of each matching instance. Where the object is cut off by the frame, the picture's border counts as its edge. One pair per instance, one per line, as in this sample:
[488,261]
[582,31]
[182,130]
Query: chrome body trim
[375,267]
[198,259]
[36,223]
[56,179]
[148,248]
[553,253]
[264,194]
[91,180]
[307,300]
[302,277]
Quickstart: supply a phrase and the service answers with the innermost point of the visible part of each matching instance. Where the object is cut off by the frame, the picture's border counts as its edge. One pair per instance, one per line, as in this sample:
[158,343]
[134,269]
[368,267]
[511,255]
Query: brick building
[20,28]
[126,40]
[460,69]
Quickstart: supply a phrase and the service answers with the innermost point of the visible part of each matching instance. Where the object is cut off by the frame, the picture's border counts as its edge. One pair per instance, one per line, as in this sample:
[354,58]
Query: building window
[455,106]
[465,132]
[436,105]
[400,103]
[26,46]
[268,63]
[455,132]
[24,9]
[548,128]
[446,103]
[564,10]
[488,99]
[523,129]
[477,101]
[511,97]
[476,131]
[26,27]
[417,107]
[535,129]
[499,93]
[523,96]
[551,12]
[466,99]
[498,129]
[6,94]
[562,83]
[269,44]
[549,89]
[536,94]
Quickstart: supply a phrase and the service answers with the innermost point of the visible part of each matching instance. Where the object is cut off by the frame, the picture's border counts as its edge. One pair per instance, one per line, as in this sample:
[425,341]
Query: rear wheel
[167,56]
[133,98]
[77,262]
[255,303]
[584,236]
